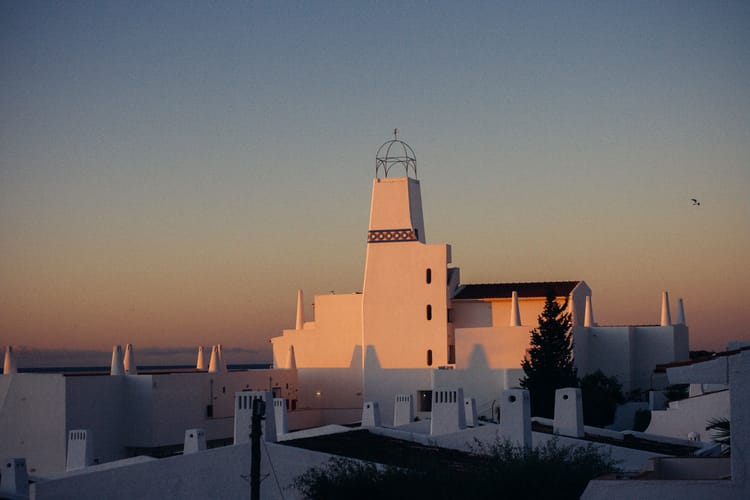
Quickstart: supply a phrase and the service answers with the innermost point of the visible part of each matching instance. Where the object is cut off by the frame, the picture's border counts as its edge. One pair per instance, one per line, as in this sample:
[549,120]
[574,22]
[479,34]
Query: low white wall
[32,420]
[690,415]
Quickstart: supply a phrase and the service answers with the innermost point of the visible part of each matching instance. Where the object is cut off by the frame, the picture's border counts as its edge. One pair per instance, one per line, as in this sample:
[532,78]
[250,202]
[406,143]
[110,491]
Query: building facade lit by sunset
[415,327]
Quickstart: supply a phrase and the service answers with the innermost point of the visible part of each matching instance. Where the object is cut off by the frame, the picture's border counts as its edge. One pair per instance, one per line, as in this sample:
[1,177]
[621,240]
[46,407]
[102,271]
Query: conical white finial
[588,317]
[680,313]
[515,314]
[9,364]
[213,364]
[116,367]
[291,360]
[666,317]
[300,311]
[129,361]
[201,363]
[222,361]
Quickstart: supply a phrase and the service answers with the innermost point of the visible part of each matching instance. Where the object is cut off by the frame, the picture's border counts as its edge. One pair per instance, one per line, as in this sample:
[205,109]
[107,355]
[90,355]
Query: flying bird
[695,202]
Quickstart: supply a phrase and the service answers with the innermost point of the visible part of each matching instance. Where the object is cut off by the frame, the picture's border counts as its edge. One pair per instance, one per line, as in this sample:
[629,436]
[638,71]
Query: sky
[172,172]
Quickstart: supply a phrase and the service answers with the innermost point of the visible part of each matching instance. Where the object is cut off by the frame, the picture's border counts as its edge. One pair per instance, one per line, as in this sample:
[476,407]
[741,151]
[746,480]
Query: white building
[414,326]
[124,415]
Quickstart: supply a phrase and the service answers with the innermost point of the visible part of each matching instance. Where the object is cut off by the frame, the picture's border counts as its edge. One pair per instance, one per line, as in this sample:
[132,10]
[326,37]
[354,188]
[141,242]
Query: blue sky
[171,173]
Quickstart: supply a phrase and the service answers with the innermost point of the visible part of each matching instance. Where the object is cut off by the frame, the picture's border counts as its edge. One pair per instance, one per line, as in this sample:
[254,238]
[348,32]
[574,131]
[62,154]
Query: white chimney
[568,412]
[680,312]
[80,449]
[300,311]
[515,417]
[515,314]
[9,364]
[129,361]
[201,363]
[371,414]
[447,411]
[116,367]
[195,441]
[222,361]
[279,413]
[214,366]
[14,479]
[403,410]
[588,316]
[470,411]
[666,317]
[243,415]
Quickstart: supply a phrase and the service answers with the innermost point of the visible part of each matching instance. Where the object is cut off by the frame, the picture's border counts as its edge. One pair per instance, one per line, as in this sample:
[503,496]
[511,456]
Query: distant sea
[161,368]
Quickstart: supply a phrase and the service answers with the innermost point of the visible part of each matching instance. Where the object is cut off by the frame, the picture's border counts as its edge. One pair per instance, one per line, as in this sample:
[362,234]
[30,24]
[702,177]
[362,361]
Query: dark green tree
[601,395]
[548,364]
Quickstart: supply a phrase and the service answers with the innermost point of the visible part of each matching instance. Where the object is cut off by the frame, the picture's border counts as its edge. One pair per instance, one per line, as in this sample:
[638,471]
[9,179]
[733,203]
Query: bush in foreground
[500,470]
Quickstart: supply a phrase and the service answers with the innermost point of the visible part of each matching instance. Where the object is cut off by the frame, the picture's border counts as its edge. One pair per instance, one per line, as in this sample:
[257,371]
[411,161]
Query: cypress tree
[548,364]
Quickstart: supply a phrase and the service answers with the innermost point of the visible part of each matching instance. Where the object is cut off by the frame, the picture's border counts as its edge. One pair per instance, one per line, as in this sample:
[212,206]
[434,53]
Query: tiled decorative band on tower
[388,235]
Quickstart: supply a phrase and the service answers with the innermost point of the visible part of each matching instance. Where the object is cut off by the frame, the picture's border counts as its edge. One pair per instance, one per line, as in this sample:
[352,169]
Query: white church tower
[405,326]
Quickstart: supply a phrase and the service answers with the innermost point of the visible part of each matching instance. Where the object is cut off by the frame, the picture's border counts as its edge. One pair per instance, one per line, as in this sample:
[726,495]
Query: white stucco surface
[217,473]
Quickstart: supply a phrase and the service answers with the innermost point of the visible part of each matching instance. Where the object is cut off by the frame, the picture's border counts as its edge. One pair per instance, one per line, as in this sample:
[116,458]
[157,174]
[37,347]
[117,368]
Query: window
[424,400]
[428,276]
[429,312]
[450,315]
[429,357]
[451,354]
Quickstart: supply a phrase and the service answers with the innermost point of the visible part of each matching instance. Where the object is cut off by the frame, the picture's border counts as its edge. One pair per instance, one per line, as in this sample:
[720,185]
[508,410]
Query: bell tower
[405,329]
[396,209]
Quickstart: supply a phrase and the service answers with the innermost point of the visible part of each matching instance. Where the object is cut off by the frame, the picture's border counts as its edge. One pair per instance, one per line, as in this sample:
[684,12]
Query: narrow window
[429,357]
[429,312]
[428,276]
[450,315]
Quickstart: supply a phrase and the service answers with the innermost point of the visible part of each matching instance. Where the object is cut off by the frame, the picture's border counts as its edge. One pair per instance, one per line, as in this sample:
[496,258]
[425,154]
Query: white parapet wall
[243,415]
[371,414]
[80,449]
[403,409]
[568,412]
[515,417]
[195,441]
[447,411]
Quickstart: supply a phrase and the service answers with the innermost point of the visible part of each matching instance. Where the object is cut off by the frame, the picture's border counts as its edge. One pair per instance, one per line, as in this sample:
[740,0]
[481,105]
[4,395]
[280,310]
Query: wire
[273,469]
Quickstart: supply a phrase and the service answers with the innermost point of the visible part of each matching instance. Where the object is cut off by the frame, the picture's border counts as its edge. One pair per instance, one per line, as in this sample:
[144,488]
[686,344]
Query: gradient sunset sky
[172,172]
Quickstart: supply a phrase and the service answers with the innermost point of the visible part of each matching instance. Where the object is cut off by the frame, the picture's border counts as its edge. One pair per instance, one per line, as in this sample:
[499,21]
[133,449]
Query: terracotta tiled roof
[504,290]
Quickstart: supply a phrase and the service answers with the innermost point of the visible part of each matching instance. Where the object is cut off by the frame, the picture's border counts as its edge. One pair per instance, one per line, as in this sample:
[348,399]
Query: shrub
[677,391]
[641,419]
[548,471]
[601,395]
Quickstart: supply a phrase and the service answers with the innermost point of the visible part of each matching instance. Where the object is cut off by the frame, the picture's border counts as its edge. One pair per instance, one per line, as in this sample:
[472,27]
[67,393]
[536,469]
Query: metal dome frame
[395,152]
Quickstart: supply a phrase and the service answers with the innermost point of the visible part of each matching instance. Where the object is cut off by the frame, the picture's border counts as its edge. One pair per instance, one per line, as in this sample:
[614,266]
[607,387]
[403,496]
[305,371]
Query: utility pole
[259,409]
